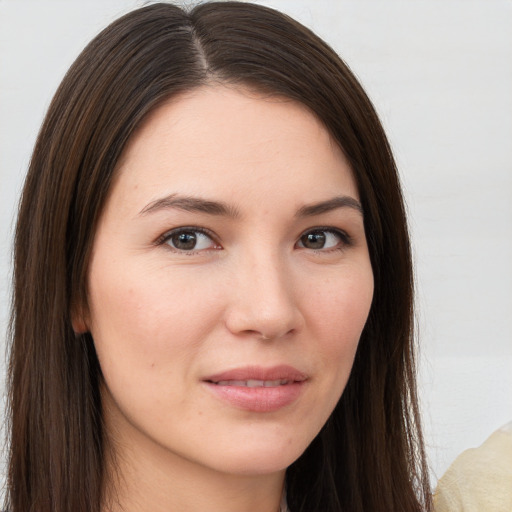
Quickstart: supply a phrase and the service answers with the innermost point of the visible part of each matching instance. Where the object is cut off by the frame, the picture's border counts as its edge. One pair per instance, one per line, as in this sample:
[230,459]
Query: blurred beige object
[480,479]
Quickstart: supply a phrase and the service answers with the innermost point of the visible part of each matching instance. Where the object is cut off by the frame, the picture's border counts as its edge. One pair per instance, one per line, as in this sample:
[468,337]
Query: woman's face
[229,283]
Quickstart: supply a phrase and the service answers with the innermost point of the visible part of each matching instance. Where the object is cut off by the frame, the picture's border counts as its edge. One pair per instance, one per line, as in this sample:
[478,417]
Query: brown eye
[319,239]
[184,241]
[189,240]
[314,240]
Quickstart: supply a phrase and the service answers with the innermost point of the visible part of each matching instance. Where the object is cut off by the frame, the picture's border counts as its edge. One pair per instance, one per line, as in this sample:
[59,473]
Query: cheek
[340,307]
[148,330]
[338,312]
[140,291]
[141,320]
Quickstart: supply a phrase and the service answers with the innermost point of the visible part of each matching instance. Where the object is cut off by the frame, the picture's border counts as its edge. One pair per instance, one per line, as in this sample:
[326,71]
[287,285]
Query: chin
[261,458]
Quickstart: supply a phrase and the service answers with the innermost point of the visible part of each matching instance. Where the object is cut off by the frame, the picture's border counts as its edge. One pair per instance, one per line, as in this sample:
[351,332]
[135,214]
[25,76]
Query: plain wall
[440,75]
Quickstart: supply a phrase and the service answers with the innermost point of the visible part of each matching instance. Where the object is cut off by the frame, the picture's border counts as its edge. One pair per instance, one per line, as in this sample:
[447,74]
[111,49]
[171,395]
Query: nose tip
[264,307]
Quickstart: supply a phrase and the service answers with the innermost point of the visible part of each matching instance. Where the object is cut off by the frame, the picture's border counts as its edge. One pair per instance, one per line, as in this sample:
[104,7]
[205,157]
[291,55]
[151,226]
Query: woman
[213,285]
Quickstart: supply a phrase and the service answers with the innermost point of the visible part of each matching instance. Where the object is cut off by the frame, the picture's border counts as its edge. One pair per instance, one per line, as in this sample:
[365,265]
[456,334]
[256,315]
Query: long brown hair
[369,456]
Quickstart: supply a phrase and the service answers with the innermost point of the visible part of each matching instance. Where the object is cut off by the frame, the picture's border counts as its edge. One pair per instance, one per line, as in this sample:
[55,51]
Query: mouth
[258,376]
[258,389]
[252,383]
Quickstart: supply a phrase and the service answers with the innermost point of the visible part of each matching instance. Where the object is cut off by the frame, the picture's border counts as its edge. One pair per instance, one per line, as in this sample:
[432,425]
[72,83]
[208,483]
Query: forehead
[225,140]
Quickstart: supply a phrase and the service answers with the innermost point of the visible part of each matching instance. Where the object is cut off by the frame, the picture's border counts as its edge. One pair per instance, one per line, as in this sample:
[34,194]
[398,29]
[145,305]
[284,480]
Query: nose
[263,299]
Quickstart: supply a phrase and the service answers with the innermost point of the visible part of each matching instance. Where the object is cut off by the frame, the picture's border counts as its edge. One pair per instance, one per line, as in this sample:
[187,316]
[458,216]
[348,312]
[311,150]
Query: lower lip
[258,399]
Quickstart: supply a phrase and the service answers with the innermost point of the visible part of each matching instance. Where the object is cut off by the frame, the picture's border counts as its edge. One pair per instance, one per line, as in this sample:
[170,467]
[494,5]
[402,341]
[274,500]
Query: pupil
[185,241]
[314,240]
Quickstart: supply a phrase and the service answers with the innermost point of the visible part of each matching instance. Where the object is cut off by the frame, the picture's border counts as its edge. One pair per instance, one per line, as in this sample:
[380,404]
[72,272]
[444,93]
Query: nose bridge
[264,302]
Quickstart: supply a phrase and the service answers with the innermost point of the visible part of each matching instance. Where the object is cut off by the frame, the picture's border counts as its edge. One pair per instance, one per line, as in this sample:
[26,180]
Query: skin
[253,291]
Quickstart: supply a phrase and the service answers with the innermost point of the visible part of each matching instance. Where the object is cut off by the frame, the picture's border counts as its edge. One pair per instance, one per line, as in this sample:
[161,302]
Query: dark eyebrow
[329,205]
[191,204]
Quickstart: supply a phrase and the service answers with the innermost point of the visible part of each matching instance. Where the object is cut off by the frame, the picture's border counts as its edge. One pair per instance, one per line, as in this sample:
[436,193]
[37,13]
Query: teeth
[274,383]
[255,383]
[252,383]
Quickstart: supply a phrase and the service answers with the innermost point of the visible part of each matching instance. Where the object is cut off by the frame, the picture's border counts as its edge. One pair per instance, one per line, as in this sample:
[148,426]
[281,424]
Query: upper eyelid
[330,229]
[165,236]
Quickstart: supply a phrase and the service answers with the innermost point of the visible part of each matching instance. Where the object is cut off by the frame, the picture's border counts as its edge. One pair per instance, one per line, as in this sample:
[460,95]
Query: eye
[189,240]
[323,239]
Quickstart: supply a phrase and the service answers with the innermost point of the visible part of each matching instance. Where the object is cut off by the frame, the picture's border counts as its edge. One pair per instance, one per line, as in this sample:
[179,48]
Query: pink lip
[258,399]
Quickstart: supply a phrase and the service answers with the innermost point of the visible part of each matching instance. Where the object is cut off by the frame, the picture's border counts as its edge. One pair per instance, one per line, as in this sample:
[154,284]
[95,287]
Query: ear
[79,318]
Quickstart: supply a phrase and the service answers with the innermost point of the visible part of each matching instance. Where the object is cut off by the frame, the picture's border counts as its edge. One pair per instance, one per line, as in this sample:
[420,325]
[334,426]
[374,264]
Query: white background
[440,75]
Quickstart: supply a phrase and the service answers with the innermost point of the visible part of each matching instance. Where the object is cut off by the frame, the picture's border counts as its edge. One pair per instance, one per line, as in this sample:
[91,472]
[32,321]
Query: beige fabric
[480,479]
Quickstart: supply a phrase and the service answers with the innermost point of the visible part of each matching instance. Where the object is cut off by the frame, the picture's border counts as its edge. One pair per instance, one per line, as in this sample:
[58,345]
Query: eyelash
[345,239]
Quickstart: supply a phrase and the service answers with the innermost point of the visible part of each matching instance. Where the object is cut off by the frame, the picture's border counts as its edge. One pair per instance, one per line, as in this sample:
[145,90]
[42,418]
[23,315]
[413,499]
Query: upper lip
[280,372]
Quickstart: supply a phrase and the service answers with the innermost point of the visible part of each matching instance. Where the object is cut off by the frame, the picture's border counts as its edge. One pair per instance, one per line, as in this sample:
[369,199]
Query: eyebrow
[219,208]
[329,205]
[191,204]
